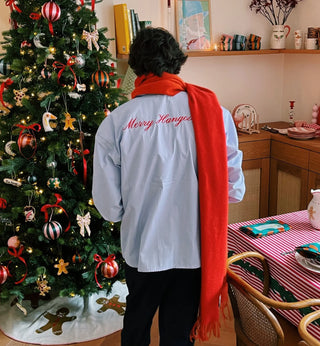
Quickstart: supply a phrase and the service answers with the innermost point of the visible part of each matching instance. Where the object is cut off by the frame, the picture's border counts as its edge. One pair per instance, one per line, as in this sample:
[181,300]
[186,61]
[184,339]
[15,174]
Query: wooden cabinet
[288,178]
[279,174]
[294,171]
[256,162]
[314,173]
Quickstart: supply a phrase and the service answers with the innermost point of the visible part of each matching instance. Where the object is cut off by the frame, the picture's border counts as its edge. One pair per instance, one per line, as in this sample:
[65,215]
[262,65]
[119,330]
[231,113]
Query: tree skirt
[65,320]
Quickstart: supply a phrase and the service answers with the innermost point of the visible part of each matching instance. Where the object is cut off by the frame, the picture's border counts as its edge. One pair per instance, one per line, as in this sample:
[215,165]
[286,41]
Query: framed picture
[193,19]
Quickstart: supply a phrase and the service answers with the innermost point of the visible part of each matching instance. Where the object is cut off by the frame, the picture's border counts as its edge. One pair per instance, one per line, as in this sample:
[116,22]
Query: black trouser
[175,292]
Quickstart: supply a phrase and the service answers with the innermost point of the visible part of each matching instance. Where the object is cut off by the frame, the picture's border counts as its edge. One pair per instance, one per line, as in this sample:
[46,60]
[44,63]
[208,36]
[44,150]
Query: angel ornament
[83,223]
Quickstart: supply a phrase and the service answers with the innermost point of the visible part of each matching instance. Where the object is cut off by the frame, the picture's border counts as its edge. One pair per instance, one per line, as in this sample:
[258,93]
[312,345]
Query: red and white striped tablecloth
[284,268]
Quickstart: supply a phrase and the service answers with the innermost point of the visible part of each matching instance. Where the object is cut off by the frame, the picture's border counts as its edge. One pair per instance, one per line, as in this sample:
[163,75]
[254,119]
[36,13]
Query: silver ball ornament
[80,61]
[52,164]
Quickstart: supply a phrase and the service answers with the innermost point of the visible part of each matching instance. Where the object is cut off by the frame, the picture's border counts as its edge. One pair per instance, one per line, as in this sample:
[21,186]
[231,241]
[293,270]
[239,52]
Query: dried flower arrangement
[275,11]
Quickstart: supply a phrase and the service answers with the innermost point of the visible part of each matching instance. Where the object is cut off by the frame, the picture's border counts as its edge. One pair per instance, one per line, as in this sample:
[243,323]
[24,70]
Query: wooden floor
[227,338]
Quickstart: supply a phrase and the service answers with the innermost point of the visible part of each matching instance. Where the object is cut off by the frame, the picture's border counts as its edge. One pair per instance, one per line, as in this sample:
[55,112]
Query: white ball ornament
[80,61]
[52,164]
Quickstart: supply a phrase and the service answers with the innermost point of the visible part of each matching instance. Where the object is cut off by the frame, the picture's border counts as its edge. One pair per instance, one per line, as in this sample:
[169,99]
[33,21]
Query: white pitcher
[278,36]
[314,209]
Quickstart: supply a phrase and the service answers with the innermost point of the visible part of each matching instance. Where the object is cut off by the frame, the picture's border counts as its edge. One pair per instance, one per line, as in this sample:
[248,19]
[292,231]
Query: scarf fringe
[203,331]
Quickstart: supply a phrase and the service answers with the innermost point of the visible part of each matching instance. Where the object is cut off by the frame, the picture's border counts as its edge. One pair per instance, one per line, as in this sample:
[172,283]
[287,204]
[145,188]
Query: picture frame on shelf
[193,22]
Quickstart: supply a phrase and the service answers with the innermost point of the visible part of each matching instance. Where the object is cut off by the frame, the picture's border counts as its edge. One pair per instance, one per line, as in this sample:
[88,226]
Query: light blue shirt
[145,175]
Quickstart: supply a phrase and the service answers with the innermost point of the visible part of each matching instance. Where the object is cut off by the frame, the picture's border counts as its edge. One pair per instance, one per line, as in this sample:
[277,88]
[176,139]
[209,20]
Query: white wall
[301,78]
[4,19]
[267,82]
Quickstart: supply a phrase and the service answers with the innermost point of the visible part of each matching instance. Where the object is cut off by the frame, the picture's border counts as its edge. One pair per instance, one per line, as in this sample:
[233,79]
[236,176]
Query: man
[164,163]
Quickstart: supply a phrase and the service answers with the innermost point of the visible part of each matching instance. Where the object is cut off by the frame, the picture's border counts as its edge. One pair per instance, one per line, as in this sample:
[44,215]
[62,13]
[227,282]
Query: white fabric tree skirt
[65,320]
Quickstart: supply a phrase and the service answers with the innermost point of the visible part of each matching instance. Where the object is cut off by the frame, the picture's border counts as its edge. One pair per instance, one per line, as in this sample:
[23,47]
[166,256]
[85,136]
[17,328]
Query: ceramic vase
[278,36]
[298,39]
[314,209]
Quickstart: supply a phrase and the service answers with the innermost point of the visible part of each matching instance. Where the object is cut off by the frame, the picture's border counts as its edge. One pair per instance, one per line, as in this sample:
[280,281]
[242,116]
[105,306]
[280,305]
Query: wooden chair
[303,331]
[255,323]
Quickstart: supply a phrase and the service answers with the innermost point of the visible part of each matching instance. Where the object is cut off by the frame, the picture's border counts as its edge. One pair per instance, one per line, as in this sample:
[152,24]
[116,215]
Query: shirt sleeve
[106,186]
[236,183]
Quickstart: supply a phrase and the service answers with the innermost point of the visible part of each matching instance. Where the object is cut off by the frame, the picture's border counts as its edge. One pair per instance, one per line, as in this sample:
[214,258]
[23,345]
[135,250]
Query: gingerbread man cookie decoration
[112,304]
[68,122]
[62,266]
[56,321]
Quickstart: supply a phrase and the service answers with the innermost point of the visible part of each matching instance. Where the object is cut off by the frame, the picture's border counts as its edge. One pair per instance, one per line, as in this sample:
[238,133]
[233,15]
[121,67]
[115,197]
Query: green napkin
[263,229]
[310,250]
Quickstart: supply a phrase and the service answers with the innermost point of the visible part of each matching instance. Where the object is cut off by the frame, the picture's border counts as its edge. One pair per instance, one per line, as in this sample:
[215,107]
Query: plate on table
[301,133]
[308,263]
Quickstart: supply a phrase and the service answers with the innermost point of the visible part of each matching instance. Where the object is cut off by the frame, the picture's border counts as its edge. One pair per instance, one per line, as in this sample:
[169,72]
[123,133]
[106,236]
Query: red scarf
[210,140]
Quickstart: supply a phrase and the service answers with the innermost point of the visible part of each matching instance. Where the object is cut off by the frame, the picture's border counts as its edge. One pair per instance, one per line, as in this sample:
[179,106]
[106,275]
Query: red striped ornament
[26,139]
[3,274]
[52,230]
[100,78]
[109,269]
[51,11]
[3,203]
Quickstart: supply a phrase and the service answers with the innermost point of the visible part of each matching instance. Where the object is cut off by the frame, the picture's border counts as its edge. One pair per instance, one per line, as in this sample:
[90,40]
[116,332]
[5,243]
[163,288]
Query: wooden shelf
[251,52]
[122,56]
[302,51]
[242,52]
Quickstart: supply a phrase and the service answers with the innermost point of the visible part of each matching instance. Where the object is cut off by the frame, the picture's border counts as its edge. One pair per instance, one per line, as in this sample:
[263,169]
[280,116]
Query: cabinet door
[255,202]
[314,174]
[313,183]
[288,187]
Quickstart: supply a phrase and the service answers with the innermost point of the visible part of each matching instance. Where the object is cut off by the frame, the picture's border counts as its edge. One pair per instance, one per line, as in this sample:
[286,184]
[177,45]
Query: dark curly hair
[155,50]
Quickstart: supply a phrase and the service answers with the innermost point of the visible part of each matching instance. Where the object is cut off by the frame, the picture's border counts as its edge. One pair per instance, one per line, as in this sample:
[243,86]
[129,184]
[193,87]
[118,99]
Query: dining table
[292,278]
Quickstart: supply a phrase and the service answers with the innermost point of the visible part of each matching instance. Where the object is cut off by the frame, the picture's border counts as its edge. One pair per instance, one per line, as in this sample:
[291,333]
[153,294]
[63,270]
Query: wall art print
[193,19]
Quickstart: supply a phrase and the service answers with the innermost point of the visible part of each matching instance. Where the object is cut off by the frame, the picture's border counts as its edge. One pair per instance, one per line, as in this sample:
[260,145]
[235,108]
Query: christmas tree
[58,82]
